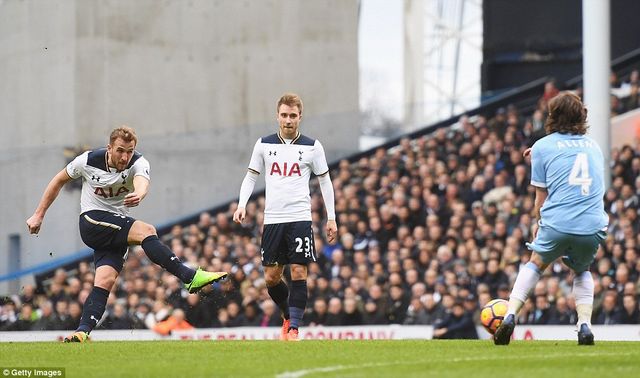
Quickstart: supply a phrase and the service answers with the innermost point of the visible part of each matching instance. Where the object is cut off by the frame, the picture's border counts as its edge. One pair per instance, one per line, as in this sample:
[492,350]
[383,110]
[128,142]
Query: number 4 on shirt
[580,173]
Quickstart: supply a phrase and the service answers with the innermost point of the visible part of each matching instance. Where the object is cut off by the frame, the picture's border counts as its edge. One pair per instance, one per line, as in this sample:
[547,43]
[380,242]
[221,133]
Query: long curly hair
[567,115]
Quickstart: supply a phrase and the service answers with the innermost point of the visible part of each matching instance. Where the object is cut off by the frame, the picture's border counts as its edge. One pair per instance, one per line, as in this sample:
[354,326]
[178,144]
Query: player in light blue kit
[567,170]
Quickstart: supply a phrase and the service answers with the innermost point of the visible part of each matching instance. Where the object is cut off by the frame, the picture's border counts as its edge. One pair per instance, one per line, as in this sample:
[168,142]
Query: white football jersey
[287,168]
[103,187]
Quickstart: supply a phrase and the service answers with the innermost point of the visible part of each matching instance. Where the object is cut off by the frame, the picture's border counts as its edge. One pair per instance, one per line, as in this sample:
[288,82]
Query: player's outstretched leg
[160,254]
[203,278]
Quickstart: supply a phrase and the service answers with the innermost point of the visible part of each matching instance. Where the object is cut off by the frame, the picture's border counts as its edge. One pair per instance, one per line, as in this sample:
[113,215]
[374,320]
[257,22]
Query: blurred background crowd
[432,224]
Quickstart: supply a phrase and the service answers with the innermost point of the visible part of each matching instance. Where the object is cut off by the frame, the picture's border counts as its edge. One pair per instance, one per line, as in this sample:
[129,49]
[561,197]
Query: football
[492,314]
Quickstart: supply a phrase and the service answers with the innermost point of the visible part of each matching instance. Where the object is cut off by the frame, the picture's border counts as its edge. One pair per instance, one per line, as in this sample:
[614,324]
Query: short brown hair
[125,133]
[290,99]
[567,115]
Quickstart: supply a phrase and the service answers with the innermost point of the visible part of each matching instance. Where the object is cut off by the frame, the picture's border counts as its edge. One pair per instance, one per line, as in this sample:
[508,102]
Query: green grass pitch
[380,358]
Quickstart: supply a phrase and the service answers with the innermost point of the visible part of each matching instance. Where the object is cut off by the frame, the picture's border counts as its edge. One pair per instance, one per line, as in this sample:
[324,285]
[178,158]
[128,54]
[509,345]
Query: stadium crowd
[434,223]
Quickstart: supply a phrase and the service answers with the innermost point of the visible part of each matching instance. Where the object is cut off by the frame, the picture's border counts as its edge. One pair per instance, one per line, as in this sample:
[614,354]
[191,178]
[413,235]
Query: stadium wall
[381,332]
[624,128]
[199,80]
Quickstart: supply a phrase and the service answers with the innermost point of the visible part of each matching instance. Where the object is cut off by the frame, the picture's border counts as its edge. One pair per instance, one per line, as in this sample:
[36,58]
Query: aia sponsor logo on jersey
[285,169]
[109,192]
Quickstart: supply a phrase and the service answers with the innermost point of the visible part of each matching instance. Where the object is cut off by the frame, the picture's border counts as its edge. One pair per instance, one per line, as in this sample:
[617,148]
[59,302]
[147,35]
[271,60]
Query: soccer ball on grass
[492,314]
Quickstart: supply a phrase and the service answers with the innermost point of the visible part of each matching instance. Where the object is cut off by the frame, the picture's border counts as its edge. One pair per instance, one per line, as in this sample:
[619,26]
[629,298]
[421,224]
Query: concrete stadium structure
[199,81]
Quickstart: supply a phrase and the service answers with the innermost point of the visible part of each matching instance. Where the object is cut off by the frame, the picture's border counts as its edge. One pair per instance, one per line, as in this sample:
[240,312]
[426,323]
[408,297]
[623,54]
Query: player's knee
[536,259]
[105,282]
[298,272]
[272,279]
[148,230]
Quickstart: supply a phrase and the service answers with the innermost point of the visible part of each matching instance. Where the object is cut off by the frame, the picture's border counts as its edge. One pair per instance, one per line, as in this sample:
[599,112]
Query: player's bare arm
[50,194]
[141,188]
[541,196]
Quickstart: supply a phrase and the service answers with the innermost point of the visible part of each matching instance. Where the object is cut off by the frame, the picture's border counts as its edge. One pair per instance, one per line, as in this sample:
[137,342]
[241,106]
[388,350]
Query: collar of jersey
[282,141]
[106,163]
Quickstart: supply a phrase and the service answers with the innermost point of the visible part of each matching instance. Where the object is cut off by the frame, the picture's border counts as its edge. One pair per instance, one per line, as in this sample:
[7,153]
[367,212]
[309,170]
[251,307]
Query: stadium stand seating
[434,218]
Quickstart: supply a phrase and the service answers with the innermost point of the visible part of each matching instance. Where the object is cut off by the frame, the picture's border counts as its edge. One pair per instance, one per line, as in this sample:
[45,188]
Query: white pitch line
[328,369]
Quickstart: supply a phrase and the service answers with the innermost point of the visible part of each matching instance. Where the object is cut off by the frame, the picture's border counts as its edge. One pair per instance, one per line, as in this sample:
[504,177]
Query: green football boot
[77,337]
[204,278]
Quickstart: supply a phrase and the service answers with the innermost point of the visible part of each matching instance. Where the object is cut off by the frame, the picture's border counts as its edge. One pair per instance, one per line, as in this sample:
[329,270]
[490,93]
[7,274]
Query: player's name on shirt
[574,143]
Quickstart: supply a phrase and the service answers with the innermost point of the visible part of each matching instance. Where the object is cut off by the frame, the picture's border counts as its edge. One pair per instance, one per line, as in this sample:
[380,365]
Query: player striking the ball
[114,179]
[567,170]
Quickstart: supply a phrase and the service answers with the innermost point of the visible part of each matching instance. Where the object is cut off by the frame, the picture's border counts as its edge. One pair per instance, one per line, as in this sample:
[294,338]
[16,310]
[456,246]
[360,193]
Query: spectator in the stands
[609,312]
[335,315]
[632,86]
[250,316]
[372,314]
[48,319]
[318,315]
[416,313]
[174,322]
[270,316]
[352,315]
[550,91]
[433,310]
[630,313]
[119,318]
[458,324]
[617,106]
[75,311]
[417,207]
[564,314]
[28,294]
[24,320]
[198,313]
[543,313]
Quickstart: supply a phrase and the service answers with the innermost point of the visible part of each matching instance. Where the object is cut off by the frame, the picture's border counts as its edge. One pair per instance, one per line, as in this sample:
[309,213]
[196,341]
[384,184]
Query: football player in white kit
[287,160]
[114,179]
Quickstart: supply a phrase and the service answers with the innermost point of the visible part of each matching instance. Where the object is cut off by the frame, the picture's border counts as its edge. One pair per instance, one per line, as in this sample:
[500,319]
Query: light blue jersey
[571,167]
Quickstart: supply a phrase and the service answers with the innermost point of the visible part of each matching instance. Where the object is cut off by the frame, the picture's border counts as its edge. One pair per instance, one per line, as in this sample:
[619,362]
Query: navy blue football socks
[162,255]
[93,309]
[280,293]
[297,302]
